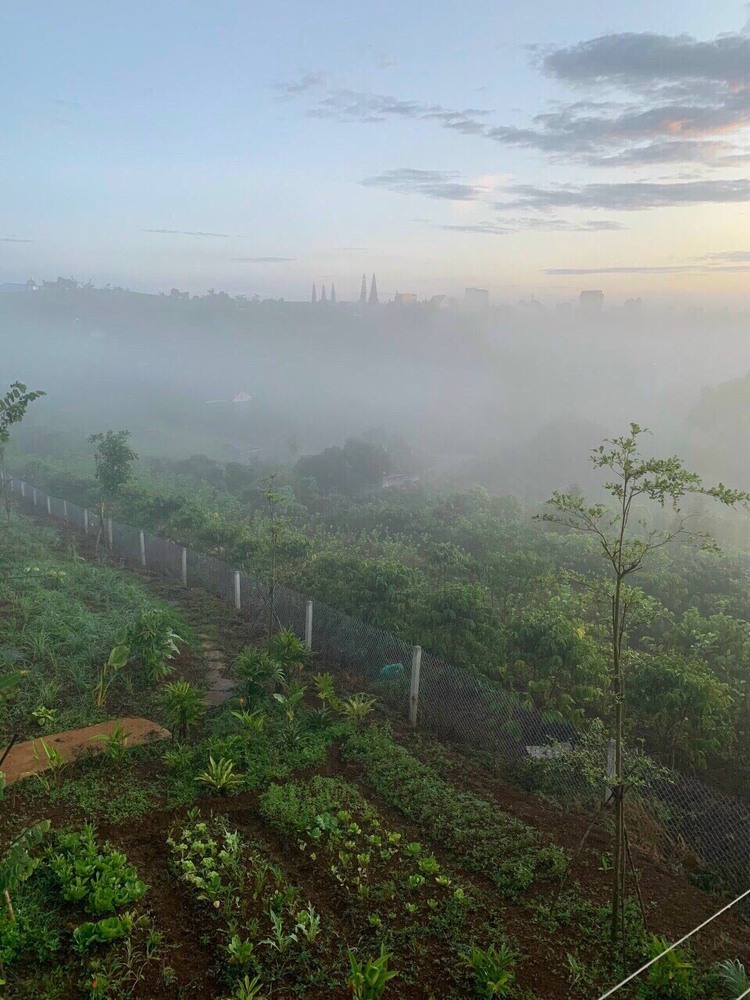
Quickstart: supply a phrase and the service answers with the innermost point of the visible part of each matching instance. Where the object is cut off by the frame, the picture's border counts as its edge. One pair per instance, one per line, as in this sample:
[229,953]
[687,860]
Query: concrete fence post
[65,509]
[109,531]
[184,567]
[308,624]
[33,493]
[237,592]
[142,540]
[416,665]
[49,507]
[610,770]
[85,520]
[23,489]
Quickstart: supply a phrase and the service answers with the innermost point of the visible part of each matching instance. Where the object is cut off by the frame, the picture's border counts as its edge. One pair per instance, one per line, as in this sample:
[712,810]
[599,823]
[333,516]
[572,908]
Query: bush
[481,837]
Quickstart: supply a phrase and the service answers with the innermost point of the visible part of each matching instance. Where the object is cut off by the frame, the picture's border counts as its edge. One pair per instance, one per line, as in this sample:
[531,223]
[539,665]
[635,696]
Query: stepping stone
[29,758]
[216,698]
[221,683]
[213,654]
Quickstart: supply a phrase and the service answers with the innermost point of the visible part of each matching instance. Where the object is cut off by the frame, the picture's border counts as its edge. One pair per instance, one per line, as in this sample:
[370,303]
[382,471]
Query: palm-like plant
[324,688]
[220,775]
[254,722]
[288,650]
[183,704]
[357,708]
[291,699]
[259,671]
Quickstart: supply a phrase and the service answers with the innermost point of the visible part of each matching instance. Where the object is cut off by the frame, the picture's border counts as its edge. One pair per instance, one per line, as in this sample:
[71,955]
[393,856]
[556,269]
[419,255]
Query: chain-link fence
[701,826]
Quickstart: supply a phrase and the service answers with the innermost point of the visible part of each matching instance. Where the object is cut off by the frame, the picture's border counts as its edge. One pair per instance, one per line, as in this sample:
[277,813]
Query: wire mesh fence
[709,829]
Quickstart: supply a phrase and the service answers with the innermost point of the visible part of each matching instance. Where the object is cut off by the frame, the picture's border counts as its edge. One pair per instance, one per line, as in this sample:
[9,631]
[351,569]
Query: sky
[529,148]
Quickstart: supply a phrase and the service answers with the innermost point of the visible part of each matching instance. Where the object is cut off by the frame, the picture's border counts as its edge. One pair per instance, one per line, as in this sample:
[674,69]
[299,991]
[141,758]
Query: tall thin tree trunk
[619,849]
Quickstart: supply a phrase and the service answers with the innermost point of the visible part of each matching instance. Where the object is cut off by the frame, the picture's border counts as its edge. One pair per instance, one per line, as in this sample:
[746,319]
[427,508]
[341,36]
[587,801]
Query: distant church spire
[363,291]
[323,295]
[314,295]
[333,292]
[374,292]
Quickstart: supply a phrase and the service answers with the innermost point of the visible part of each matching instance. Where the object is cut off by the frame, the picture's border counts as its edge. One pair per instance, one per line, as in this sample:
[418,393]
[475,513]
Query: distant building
[399,479]
[591,300]
[476,298]
[363,291]
[333,293]
[373,301]
[439,302]
[242,397]
[405,299]
[323,294]
[633,305]
[314,298]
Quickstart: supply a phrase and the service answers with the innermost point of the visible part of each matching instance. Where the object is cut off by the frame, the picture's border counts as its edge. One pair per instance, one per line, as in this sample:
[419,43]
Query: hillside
[351,834]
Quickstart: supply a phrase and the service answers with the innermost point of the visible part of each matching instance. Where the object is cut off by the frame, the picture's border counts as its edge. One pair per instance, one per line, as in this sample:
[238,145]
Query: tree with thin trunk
[13,406]
[273,499]
[114,460]
[625,541]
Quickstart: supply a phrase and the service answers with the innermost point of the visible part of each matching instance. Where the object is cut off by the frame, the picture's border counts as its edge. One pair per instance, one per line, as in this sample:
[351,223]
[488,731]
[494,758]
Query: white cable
[666,951]
[745,994]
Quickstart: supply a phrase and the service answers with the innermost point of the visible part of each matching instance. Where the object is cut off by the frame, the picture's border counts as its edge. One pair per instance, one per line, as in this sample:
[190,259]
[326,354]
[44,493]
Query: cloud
[644,60]
[663,99]
[727,256]
[439,184]
[14,239]
[644,269]
[537,223]
[345,105]
[708,152]
[264,260]
[295,88]
[628,196]
[187,232]
[639,269]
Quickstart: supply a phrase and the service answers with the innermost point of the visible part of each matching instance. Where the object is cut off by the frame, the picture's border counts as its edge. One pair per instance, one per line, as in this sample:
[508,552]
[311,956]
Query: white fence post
[109,531]
[416,664]
[610,770]
[85,520]
[184,567]
[65,509]
[23,488]
[33,493]
[49,507]
[142,539]
[237,592]
[308,624]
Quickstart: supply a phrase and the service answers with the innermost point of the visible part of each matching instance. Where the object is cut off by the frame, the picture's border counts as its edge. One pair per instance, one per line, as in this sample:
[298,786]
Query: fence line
[455,705]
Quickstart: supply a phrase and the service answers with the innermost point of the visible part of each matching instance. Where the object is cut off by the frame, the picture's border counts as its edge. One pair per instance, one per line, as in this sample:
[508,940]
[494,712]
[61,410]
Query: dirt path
[29,758]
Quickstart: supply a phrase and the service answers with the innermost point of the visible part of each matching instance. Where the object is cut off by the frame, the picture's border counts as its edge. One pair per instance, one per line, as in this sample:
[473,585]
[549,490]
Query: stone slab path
[29,758]
[220,687]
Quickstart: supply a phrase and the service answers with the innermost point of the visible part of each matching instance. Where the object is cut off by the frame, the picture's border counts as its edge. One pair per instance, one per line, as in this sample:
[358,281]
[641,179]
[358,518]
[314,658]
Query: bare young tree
[625,541]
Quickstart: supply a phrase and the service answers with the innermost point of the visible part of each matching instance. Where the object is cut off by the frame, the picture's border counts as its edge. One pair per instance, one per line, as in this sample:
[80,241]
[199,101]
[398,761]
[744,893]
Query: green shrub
[478,834]
[98,877]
